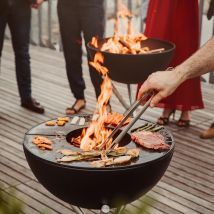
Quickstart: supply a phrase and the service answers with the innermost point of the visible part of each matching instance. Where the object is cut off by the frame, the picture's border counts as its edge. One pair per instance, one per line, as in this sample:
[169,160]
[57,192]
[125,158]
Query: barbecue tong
[127,115]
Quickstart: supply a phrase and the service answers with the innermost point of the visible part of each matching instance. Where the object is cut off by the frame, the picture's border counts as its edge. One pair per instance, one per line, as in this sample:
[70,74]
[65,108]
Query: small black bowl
[135,68]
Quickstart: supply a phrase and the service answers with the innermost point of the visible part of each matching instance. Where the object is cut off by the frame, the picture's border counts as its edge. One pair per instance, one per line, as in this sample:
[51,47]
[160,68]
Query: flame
[125,14]
[94,42]
[96,133]
[98,60]
[130,43]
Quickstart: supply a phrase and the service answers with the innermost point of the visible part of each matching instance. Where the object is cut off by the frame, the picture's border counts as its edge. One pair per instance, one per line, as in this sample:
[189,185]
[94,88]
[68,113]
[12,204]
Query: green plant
[9,204]
[144,207]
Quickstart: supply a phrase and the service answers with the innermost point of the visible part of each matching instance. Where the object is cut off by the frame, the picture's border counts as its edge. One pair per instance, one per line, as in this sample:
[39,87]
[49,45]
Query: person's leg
[19,23]
[93,24]
[164,119]
[3,22]
[70,29]
[19,20]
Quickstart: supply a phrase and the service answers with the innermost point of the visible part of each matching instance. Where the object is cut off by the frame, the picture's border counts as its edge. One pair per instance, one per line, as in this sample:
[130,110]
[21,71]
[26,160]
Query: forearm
[199,63]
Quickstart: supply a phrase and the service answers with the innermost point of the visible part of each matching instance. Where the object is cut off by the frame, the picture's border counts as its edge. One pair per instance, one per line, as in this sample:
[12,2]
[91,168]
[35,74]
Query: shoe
[184,120]
[33,105]
[183,123]
[74,109]
[209,133]
[165,120]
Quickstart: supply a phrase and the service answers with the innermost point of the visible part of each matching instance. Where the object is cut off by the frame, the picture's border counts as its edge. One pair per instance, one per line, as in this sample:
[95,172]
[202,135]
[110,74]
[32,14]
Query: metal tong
[127,114]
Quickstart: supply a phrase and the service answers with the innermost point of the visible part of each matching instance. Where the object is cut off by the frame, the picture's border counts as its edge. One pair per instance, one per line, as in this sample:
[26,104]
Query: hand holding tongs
[128,113]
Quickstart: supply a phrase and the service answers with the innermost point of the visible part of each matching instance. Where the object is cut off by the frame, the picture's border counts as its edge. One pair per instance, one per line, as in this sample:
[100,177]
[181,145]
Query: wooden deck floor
[186,187]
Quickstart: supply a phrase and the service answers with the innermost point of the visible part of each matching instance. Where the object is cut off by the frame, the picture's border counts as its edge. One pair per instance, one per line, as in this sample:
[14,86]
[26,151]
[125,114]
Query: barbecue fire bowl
[80,184]
[132,69]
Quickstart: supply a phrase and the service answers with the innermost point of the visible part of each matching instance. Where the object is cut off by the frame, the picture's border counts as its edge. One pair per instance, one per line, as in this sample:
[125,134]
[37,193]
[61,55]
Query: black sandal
[74,109]
[183,123]
[165,120]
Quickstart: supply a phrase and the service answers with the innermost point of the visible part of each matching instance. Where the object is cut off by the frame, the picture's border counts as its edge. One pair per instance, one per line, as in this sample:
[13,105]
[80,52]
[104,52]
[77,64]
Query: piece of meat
[150,140]
[43,143]
[42,140]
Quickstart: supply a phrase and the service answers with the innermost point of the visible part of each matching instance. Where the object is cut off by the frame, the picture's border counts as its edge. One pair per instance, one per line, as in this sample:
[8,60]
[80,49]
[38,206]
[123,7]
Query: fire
[97,63]
[96,133]
[126,15]
[92,137]
[130,43]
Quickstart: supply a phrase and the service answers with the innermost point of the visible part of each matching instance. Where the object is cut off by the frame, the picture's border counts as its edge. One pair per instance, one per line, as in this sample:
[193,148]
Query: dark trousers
[76,17]
[18,17]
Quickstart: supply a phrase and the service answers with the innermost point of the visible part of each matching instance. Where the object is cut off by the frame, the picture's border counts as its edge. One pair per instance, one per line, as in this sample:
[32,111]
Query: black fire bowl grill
[82,185]
[132,69]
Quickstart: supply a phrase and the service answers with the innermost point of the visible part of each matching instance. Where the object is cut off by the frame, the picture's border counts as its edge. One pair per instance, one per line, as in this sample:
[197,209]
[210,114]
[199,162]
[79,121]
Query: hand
[164,82]
[37,4]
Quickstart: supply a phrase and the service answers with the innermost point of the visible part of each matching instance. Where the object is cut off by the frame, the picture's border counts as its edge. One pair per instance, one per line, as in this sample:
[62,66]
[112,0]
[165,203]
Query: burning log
[158,50]
[126,44]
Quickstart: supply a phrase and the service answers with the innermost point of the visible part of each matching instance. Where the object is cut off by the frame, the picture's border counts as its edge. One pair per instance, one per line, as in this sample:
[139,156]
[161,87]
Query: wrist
[181,74]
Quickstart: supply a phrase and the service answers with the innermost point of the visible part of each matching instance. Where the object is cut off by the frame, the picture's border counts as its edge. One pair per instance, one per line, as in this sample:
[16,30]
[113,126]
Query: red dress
[177,21]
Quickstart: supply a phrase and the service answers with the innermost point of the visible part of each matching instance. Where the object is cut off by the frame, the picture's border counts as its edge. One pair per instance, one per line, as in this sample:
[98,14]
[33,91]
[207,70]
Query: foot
[164,119]
[77,106]
[209,133]
[33,105]
[184,120]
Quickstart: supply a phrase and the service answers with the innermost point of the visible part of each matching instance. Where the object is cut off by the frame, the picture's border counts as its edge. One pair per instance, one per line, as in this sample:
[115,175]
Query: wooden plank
[46,202]
[180,199]
[17,167]
[4,154]
[160,206]
[205,180]
[199,203]
[171,203]
[26,209]
[11,177]
[202,166]
[36,205]
[185,186]
[6,180]
[38,187]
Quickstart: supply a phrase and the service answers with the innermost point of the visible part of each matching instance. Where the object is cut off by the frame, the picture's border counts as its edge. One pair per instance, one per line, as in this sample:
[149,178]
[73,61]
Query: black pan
[82,185]
[130,68]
